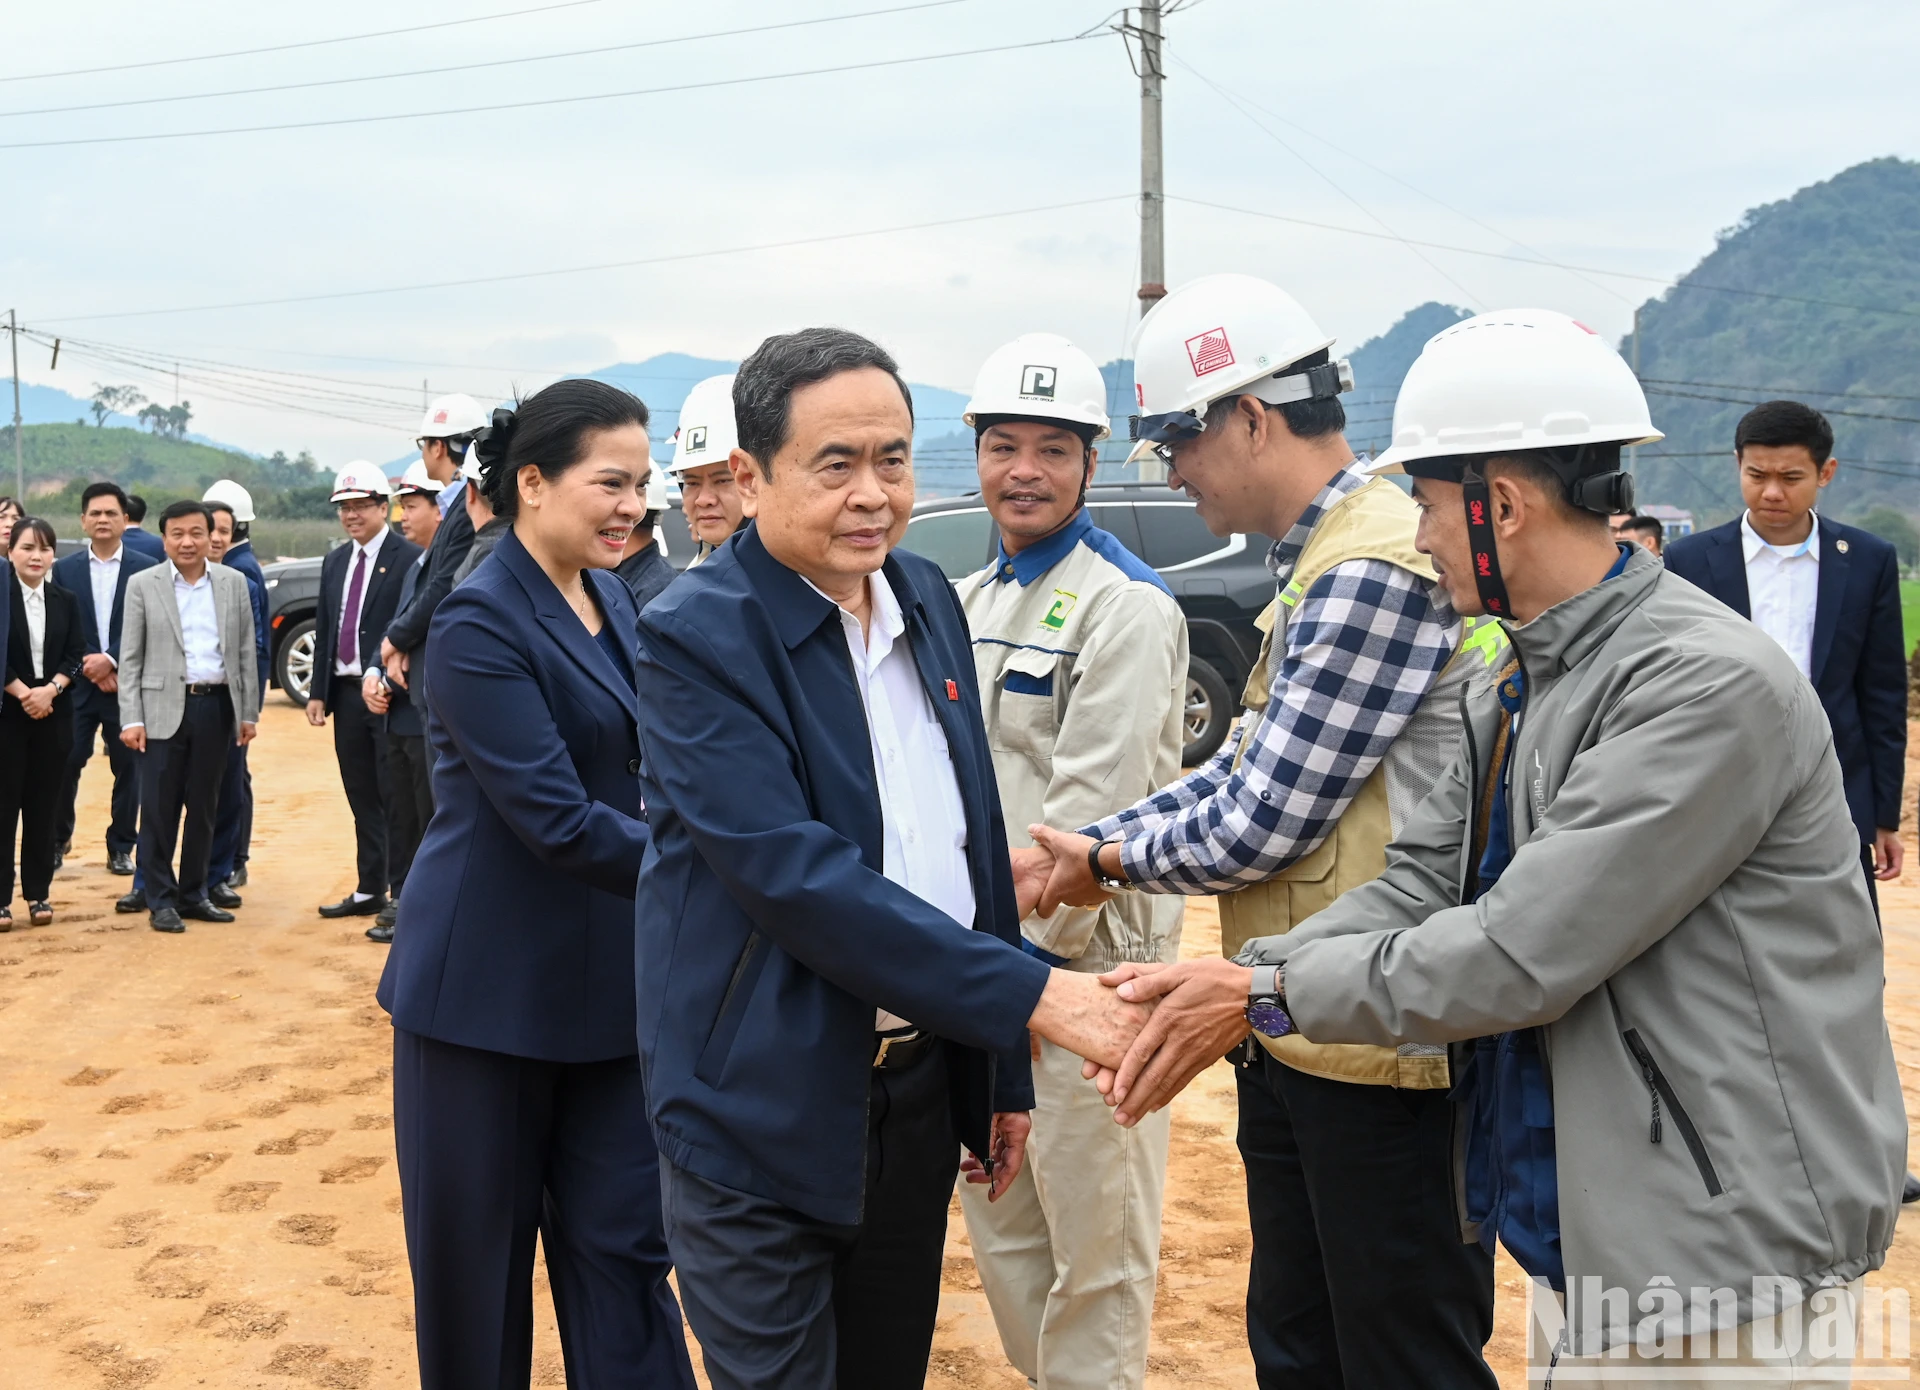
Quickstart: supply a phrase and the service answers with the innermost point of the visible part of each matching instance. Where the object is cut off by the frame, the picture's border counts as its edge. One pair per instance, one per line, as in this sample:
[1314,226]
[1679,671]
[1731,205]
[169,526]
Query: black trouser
[494,1147]
[780,1301]
[410,807]
[360,744]
[1359,1278]
[99,714]
[233,827]
[179,773]
[33,763]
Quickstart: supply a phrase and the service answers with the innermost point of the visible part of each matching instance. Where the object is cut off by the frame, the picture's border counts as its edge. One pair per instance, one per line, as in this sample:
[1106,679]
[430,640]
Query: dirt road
[196,1146]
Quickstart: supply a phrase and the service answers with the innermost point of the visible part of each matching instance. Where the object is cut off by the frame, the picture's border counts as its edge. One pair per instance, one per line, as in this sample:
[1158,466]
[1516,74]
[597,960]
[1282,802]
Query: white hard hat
[360,479]
[450,415]
[416,481]
[1512,380]
[235,496]
[706,432]
[657,499]
[1041,376]
[1224,335]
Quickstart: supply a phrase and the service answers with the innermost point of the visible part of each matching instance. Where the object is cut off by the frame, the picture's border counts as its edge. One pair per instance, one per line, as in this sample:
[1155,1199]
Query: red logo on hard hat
[439,417]
[1210,351]
[1140,395]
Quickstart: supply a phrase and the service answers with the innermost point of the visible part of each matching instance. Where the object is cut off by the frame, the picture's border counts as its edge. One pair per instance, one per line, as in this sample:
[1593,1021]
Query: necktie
[348,647]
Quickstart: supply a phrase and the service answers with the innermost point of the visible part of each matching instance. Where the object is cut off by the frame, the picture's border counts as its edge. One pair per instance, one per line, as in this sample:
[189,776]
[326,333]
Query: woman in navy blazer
[518,1100]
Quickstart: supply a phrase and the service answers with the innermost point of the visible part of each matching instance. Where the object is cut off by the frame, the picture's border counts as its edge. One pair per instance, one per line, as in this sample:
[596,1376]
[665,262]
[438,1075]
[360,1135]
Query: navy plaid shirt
[1364,646]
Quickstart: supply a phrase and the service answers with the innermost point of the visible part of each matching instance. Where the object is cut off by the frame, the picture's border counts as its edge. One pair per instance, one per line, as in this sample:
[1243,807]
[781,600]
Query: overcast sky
[1619,136]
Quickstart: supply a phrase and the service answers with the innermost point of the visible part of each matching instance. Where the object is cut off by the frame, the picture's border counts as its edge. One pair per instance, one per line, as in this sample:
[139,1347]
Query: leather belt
[898,1051]
[205,687]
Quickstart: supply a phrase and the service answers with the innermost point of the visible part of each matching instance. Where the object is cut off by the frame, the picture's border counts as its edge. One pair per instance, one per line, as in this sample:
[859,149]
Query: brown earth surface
[196,1145]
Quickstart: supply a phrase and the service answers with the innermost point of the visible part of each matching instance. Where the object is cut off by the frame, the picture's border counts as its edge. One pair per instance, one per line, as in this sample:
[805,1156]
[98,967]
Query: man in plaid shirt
[1359,1276]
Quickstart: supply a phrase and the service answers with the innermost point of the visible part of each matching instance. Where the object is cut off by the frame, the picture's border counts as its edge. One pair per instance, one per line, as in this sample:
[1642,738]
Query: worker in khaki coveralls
[1358,1276]
[1082,659]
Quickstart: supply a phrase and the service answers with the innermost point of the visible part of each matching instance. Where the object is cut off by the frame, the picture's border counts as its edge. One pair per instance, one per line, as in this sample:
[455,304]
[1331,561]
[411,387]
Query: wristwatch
[1100,876]
[1267,1002]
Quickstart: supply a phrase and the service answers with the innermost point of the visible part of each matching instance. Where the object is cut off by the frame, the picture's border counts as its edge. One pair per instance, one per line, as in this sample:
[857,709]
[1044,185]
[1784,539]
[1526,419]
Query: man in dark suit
[136,538]
[359,586]
[232,508]
[1830,595]
[100,573]
[830,985]
[445,437]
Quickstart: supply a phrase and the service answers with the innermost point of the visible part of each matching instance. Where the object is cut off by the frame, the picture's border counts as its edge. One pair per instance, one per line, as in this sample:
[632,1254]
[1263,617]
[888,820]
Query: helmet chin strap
[1486,555]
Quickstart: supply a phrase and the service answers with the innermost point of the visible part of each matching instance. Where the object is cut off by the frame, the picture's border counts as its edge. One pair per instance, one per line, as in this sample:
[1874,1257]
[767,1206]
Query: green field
[1910,611]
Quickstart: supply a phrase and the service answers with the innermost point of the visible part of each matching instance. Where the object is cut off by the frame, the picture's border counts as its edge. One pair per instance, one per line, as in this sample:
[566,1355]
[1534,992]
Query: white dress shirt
[1783,589]
[199,628]
[372,551]
[923,822]
[105,575]
[36,602]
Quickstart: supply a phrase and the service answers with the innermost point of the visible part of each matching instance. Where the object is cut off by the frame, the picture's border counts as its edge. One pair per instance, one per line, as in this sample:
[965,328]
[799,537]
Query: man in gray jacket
[1679,1108]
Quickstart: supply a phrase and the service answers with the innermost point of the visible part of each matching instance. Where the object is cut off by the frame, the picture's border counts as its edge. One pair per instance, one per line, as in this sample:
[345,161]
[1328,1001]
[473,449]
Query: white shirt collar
[32,590]
[206,575]
[372,547]
[1752,543]
[112,559]
[885,622]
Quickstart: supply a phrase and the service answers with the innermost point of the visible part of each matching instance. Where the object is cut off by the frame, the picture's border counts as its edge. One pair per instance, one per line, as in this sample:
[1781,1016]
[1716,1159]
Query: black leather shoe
[136,901]
[204,911]
[1910,1192]
[167,920]
[381,933]
[220,895]
[238,878]
[121,864]
[388,914]
[351,906]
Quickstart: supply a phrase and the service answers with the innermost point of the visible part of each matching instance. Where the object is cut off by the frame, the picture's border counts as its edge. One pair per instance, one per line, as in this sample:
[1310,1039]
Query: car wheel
[1209,712]
[295,662]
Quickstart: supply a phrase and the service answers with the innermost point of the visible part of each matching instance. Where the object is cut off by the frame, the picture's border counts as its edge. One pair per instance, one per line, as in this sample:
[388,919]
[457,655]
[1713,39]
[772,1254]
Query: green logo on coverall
[1062,605]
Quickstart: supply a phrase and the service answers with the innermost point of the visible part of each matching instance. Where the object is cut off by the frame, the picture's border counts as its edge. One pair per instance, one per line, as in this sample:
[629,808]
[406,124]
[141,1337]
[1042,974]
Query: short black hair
[1783,424]
[136,508]
[226,507]
[763,388]
[549,430]
[1314,419]
[113,490]
[1532,465]
[1649,526]
[176,510]
[38,525]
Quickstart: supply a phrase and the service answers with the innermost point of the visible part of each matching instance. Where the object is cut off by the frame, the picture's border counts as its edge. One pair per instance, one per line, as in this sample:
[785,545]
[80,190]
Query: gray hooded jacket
[1686,916]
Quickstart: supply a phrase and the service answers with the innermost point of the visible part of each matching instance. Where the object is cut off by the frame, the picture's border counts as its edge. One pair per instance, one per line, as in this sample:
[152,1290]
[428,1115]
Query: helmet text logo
[1038,381]
[1209,351]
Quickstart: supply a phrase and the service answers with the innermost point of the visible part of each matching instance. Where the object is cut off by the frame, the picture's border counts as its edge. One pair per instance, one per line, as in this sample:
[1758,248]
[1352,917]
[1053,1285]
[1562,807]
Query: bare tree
[113,400]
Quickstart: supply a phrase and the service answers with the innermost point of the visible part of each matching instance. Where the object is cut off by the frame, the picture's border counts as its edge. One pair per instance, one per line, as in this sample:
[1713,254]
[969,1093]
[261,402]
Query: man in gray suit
[187,679]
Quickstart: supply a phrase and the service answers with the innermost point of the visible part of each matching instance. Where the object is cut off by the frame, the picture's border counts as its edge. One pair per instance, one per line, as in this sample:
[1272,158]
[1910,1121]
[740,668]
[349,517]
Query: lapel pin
[953,692]
[1840,546]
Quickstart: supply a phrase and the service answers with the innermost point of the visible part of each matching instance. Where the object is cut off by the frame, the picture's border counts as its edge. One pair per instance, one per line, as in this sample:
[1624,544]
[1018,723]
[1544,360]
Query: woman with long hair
[518,1100]
[42,659]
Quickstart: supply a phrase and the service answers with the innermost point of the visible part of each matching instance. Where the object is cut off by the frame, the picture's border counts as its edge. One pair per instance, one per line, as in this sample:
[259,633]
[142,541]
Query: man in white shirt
[97,577]
[188,688]
[360,586]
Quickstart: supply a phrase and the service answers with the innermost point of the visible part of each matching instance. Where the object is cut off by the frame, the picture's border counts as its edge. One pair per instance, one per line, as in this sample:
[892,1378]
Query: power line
[532,103]
[1850,394]
[307,43]
[475,67]
[587,269]
[1548,264]
[1736,400]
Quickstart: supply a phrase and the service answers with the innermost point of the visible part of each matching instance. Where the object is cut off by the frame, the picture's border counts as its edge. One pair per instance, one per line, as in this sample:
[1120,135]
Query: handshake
[1146,1031]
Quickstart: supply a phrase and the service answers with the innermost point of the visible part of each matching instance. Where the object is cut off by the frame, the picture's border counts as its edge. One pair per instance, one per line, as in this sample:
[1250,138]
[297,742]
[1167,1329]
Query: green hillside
[1835,322]
[62,459]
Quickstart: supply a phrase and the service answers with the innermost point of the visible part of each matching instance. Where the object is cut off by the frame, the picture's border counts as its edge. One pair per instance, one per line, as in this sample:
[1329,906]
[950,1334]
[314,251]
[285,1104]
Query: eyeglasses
[1165,431]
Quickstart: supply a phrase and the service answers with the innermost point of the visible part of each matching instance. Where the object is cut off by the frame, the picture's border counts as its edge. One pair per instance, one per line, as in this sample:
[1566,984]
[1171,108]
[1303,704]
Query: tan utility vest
[1374,522]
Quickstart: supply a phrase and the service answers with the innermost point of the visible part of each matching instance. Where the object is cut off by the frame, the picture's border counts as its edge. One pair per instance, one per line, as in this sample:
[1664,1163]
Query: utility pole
[1153,202]
[19,459]
[424,401]
[1633,450]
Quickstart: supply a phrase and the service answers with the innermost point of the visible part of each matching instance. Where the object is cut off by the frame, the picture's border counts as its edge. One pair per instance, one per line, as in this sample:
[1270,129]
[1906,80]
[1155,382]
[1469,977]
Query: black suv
[1221,584]
[293,596]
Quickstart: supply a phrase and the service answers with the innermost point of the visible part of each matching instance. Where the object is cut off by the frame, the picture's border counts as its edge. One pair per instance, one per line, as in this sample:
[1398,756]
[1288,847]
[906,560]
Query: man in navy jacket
[96,706]
[1830,594]
[832,999]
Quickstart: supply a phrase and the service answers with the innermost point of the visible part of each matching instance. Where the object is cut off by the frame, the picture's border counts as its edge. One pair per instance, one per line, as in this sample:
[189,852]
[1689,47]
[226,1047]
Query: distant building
[1675,521]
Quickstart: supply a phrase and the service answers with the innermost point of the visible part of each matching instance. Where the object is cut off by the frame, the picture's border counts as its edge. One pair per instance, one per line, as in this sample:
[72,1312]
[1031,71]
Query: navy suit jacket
[403,711]
[377,606]
[240,557]
[1859,652]
[765,930]
[519,934]
[70,572]
[134,538]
